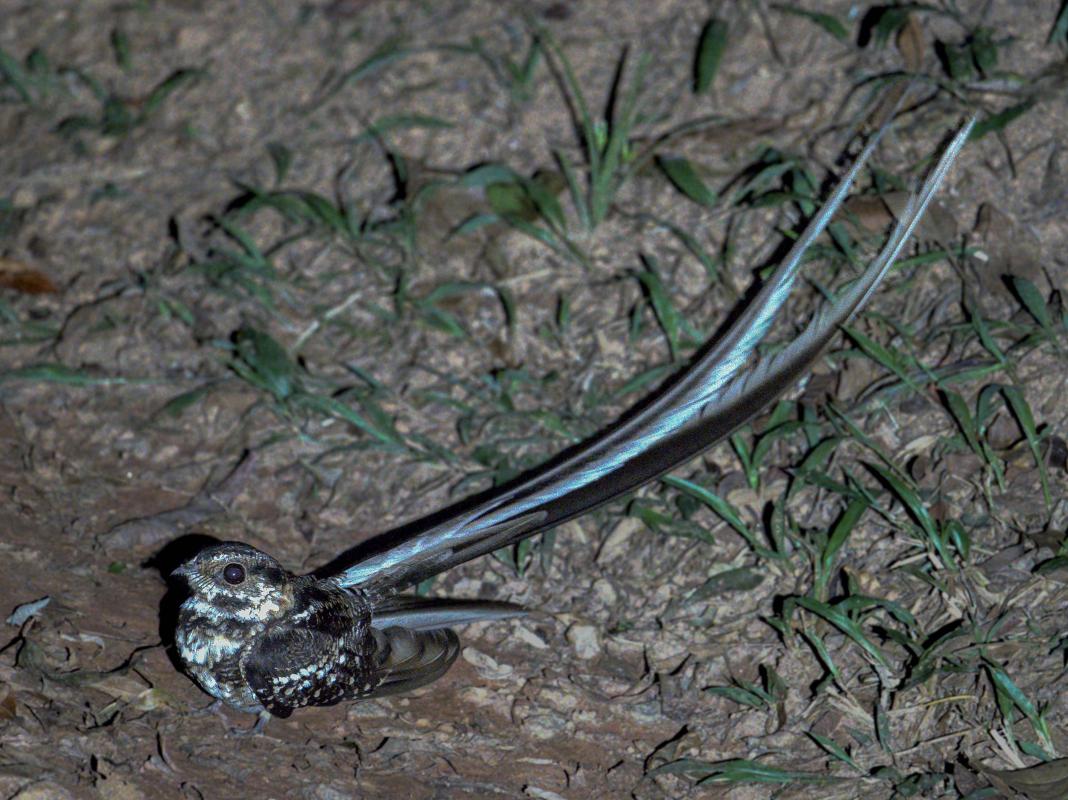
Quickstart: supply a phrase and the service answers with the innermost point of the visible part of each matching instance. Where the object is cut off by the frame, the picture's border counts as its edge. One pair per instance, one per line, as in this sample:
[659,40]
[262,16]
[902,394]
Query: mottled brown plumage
[262,639]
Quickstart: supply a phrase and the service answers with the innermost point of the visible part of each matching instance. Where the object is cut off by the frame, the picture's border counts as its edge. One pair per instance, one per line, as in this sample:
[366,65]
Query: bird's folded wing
[722,389]
[414,658]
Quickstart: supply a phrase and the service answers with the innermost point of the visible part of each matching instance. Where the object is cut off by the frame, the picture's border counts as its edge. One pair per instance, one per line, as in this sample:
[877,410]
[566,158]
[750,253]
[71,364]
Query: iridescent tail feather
[725,387]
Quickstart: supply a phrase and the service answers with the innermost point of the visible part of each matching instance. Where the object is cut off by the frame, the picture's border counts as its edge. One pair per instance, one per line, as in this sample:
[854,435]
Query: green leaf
[176,406]
[846,625]
[882,728]
[1034,302]
[1059,31]
[965,420]
[724,509]
[823,653]
[11,70]
[474,223]
[826,21]
[384,125]
[510,200]
[60,373]
[957,60]
[710,49]
[1022,411]
[1051,565]
[739,695]
[485,174]
[690,243]
[386,54]
[984,51]
[834,749]
[886,357]
[666,313]
[542,189]
[323,211]
[739,579]
[270,365]
[120,46]
[166,88]
[908,498]
[282,158]
[333,407]
[680,171]
[835,541]
[737,770]
[1006,687]
[889,22]
[663,523]
[999,121]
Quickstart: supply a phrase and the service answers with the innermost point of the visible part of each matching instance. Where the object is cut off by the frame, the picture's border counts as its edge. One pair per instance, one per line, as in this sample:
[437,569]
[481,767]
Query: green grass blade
[12,72]
[829,23]
[737,770]
[999,121]
[846,625]
[682,174]
[1022,411]
[834,749]
[710,48]
[839,534]
[666,313]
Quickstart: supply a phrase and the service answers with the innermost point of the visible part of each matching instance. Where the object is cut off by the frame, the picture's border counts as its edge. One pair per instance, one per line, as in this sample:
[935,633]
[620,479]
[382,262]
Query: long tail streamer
[721,390]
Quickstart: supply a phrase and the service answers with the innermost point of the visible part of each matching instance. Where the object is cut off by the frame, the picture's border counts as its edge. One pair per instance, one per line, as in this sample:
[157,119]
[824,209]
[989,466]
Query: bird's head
[238,581]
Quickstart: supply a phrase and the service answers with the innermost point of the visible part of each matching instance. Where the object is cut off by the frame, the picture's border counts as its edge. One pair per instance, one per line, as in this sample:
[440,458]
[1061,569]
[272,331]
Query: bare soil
[606,683]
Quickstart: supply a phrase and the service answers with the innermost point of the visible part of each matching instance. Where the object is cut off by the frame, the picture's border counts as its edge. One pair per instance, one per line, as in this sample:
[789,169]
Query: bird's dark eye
[234,574]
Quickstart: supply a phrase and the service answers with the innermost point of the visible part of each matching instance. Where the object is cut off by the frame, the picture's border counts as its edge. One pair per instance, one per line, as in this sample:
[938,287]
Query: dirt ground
[148,150]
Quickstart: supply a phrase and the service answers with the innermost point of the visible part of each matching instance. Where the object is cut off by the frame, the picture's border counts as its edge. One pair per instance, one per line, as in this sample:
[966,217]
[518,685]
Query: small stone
[558,700]
[605,592]
[530,638]
[617,544]
[488,667]
[543,794]
[193,38]
[484,698]
[43,791]
[586,641]
[545,725]
[24,197]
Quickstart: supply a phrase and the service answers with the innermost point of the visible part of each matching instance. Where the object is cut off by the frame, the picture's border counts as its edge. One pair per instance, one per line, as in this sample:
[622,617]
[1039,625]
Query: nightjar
[262,639]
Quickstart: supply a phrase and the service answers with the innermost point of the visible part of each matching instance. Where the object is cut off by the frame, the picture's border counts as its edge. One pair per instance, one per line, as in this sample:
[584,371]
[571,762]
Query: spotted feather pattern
[276,641]
[263,639]
[319,657]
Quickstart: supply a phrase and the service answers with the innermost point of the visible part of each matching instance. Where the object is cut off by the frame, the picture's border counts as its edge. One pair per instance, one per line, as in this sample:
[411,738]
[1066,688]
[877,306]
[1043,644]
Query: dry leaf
[869,211]
[22,278]
[875,213]
[1047,538]
[7,706]
[1047,781]
[910,43]
[121,687]
[1006,561]
[1011,249]
[938,225]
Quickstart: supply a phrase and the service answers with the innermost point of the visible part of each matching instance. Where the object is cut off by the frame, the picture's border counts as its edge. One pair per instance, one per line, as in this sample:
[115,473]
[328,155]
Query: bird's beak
[183,571]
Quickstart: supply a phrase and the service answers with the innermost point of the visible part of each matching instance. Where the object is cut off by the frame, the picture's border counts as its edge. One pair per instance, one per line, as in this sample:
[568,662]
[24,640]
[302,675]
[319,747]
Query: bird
[261,639]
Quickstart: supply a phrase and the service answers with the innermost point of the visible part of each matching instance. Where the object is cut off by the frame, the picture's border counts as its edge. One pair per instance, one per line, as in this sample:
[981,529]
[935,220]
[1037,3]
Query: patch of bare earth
[587,698]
